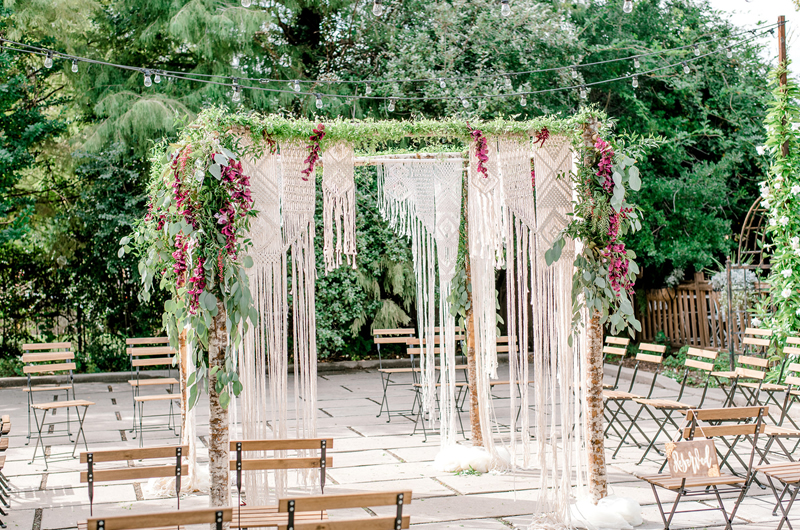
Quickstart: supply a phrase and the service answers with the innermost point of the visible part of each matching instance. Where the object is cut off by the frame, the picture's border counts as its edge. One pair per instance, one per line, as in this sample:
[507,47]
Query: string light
[686,69]
[377,8]
[296,85]
[465,102]
[505,8]
[74,66]
[442,84]
[627,6]
[696,50]
[246,3]
[729,53]
[523,101]
[574,72]
[635,81]
[636,63]
[235,61]
[147,81]
[157,77]
[319,101]
[237,92]
[391,106]
[368,89]
[583,92]
[48,61]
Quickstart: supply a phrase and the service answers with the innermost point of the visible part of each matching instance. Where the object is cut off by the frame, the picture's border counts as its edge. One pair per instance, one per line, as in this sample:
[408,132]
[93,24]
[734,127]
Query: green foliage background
[73,146]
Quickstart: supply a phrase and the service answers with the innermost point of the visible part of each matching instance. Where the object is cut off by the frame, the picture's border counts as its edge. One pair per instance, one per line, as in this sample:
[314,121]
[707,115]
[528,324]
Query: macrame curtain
[422,199]
[282,231]
[339,205]
[556,364]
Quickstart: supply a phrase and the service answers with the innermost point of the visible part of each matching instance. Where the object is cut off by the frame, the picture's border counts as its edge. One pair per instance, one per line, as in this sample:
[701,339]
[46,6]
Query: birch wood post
[218,450]
[598,485]
[472,364]
[183,366]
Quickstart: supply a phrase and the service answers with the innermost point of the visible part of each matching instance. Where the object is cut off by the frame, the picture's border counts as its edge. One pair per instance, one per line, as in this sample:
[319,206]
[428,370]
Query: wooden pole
[218,446]
[782,63]
[472,364]
[595,435]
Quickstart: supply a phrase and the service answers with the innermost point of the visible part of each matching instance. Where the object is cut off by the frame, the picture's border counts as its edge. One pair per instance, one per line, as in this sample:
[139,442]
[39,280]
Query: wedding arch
[229,234]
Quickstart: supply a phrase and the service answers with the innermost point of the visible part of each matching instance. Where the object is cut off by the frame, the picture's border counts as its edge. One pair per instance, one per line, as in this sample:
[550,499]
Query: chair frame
[754,416]
[390,336]
[58,351]
[92,475]
[787,474]
[399,499]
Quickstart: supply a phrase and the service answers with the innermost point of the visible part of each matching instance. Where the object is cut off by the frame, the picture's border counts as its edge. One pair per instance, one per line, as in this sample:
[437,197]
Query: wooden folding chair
[5,488]
[151,352]
[788,475]
[724,483]
[390,336]
[163,520]
[47,358]
[177,470]
[667,407]
[260,516]
[320,503]
[620,397]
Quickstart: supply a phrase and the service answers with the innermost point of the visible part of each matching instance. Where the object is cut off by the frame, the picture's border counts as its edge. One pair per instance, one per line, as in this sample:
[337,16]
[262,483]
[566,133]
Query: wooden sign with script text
[692,459]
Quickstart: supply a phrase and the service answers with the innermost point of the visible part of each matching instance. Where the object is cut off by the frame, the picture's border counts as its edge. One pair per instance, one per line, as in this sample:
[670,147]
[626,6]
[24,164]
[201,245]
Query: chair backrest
[756,341]
[47,358]
[149,351]
[92,475]
[749,424]
[390,336]
[239,463]
[751,367]
[317,503]
[215,516]
[652,355]
[702,361]
[616,346]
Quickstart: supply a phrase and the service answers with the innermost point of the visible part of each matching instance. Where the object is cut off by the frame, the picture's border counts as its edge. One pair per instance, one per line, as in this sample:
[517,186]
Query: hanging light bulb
[465,103]
[686,69]
[296,85]
[696,50]
[505,8]
[157,77]
[729,53]
[235,61]
[583,92]
[442,84]
[635,81]
[147,81]
[368,89]
[523,101]
[377,8]
[319,101]
[74,66]
[48,61]
[391,106]
[237,94]
[627,6]
[246,3]
[574,73]
[636,63]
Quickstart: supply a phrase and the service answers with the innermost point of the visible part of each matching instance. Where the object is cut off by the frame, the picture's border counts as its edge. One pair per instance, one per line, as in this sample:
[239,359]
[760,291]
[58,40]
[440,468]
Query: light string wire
[237,86]
[188,75]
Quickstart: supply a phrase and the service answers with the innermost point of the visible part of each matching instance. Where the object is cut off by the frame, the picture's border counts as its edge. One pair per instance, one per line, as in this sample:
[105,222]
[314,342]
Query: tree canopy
[73,158]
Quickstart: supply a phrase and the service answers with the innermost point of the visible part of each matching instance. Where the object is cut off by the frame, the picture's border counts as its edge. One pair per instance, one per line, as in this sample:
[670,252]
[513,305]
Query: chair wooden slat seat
[788,475]
[775,430]
[3,444]
[772,387]
[663,404]
[63,404]
[668,482]
[726,375]
[157,397]
[47,388]
[153,382]
[787,472]
[620,394]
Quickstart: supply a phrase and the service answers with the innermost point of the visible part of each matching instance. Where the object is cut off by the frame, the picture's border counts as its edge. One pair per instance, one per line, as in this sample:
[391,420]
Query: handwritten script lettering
[696,458]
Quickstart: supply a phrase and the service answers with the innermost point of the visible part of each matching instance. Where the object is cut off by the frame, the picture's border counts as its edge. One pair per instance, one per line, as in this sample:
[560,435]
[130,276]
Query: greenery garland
[194,240]
[780,194]
[605,270]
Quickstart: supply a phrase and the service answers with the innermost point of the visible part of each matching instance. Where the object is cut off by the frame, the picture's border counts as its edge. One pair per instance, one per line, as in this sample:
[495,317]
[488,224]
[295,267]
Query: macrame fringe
[338,205]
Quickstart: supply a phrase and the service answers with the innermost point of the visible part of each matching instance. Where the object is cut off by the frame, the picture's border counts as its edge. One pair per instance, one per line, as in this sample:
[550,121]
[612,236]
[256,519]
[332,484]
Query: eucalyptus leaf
[215,171]
[634,181]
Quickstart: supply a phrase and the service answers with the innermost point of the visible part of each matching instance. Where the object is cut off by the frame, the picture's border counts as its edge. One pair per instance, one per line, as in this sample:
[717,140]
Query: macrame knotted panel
[558,436]
[263,362]
[339,205]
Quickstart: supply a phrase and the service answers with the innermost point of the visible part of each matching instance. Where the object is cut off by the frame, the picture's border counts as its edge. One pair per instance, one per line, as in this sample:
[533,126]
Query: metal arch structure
[753,237]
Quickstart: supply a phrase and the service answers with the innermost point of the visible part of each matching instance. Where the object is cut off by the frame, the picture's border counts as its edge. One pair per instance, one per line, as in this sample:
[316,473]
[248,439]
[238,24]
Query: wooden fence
[692,314]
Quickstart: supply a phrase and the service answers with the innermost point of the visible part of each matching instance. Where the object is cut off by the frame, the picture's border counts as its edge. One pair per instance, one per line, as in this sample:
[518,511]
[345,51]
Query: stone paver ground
[369,455]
